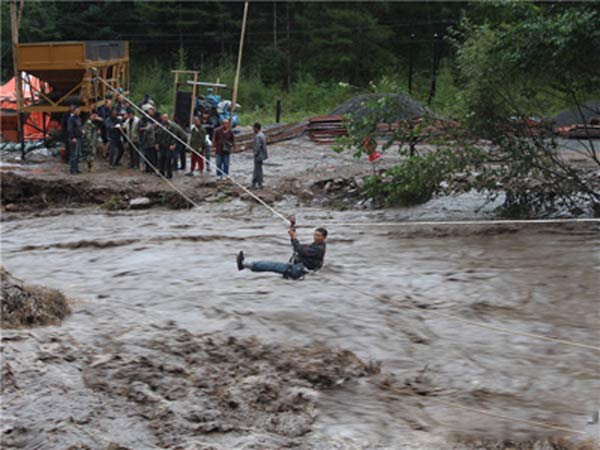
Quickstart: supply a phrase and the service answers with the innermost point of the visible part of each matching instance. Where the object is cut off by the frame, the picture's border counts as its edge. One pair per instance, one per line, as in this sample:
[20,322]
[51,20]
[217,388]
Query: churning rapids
[150,286]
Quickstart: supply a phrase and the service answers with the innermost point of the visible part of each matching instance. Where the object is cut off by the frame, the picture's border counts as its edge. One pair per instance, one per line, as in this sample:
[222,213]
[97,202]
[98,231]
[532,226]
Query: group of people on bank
[153,143]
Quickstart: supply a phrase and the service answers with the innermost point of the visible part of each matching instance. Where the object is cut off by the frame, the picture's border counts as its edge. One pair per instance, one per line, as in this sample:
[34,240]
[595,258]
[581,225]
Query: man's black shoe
[240,261]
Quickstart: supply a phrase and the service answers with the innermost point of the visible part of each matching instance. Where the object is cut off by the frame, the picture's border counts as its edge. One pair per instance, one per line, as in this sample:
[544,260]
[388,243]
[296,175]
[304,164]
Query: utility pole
[15,21]
[239,63]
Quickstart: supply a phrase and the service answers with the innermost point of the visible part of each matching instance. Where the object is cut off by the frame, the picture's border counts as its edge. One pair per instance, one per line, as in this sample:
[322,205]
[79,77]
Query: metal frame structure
[69,68]
[194,84]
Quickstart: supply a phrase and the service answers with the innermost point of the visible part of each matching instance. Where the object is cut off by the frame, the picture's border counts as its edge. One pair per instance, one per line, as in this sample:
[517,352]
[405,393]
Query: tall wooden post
[193,99]
[278,111]
[239,63]
[176,87]
[14,28]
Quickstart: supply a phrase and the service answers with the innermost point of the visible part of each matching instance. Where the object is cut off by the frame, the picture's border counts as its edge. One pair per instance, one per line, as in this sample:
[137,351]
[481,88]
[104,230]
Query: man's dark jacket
[311,256]
[112,130]
[74,127]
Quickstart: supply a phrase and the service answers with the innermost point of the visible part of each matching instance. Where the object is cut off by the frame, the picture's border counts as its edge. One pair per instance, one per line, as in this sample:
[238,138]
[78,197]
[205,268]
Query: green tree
[39,23]
[344,44]
[535,59]
[507,70]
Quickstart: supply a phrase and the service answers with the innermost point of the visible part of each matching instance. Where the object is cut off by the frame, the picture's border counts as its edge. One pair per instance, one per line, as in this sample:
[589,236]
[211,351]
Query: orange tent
[34,125]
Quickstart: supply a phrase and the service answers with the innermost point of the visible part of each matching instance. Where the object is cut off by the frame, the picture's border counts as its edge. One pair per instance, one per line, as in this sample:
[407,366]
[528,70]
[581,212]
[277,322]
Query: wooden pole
[239,63]
[193,100]
[14,28]
[176,86]
[278,111]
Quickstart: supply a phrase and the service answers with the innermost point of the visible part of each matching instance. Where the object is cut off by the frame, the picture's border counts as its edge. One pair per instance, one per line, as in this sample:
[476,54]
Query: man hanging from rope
[304,259]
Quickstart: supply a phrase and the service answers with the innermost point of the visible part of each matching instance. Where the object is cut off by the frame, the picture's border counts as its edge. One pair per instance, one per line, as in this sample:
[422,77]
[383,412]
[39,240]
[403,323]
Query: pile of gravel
[405,107]
[572,116]
[26,306]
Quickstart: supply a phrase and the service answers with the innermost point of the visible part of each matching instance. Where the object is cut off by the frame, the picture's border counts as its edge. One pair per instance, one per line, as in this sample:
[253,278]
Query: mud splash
[183,384]
[176,386]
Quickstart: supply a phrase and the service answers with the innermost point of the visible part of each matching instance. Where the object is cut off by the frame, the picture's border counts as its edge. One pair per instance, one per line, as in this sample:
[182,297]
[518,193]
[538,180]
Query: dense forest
[312,55]
[351,42]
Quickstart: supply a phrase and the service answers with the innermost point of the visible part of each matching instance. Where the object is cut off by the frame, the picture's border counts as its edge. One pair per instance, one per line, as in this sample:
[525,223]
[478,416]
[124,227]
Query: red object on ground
[34,124]
[371,149]
[374,156]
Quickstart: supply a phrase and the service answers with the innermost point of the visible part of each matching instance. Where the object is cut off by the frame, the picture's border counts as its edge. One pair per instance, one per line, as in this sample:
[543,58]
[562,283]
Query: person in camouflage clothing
[165,146]
[91,140]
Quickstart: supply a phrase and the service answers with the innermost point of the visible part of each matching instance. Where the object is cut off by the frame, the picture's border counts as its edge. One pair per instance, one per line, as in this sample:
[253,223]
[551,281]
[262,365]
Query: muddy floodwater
[150,281]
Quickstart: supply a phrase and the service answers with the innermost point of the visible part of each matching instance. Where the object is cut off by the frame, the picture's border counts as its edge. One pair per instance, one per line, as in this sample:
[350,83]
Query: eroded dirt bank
[24,305]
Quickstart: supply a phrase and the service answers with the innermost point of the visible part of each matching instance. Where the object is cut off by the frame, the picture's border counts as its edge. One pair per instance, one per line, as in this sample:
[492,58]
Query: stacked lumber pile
[274,134]
[325,129]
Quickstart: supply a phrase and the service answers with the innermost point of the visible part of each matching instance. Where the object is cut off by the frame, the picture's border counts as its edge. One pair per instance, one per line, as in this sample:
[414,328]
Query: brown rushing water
[131,272]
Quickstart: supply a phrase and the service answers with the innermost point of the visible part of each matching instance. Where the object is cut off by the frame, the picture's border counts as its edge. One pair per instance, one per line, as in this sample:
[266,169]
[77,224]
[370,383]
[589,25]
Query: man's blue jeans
[222,164]
[295,270]
[74,153]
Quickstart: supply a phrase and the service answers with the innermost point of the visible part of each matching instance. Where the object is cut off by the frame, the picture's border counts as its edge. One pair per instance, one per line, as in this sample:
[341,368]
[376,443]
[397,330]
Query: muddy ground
[309,173]
[169,346]
[295,169]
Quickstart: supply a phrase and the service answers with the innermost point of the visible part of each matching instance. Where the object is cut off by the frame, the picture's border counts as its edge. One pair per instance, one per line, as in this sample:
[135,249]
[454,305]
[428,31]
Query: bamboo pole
[239,62]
